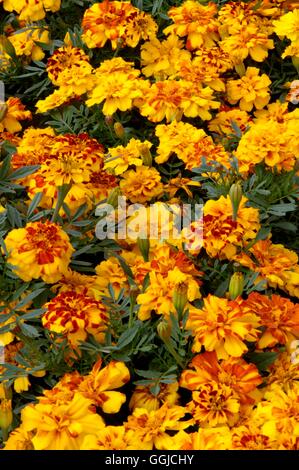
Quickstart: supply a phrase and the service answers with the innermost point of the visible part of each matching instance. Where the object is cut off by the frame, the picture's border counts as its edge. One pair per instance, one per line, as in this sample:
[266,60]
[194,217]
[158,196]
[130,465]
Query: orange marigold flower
[284,371]
[250,437]
[40,250]
[236,373]
[214,405]
[11,113]
[279,318]
[195,21]
[275,264]
[119,22]
[226,120]
[222,326]
[222,234]
[75,316]
[141,185]
[112,438]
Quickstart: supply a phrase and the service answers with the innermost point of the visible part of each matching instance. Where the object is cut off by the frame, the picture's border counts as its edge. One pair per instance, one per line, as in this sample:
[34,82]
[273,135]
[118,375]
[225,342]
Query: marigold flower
[214,405]
[195,21]
[61,426]
[251,90]
[204,439]
[119,22]
[161,59]
[143,398]
[151,427]
[287,26]
[26,42]
[40,250]
[75,316]
[112,438]
[275,264]
[19,439]
[226,119]
[31,10]
[222,234]
[120,158]
[142,184]
[14,111]
[222,326]
[279,317]
[99,385]
[241,377]
[250,437]
[284,371]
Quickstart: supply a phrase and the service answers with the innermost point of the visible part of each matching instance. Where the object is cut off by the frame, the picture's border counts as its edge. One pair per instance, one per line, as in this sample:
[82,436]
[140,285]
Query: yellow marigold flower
[61,426]
[279,317]
[214,58]
[110,272]
[275,264]
[112,438]
[195,21]
[159,294]
[55,100]
[69,67]
[19,439]
[141,185]
[196,71]
[250,437]
[117,91]
[284,371]
[12,112]
[143,398]
[117,65]
[273,143]
[75,316]
[204,439]
[25,43]
[190,144]
[214,405]
[151,427]
[226,118]
[278,413]
[247,40]
[251,90]
[119,22]
[120,158]
[40,250]
[241,377]
[222,234]
[76,282]
[288,26]
[222,326]
[31,10]
[171,99]
[160,59]
[99,385]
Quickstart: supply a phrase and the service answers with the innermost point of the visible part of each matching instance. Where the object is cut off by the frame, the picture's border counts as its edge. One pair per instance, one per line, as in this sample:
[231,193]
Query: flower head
[251,90]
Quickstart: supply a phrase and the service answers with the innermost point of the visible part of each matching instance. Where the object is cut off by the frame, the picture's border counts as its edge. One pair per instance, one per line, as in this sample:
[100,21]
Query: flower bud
[109,120]
[236,285]
[119,130]
[6,415]
[180,298]
[240,69]
[146,155]
[113,197]
[164,330]
[143,245]
[3,110]
[235,195]
[295,61]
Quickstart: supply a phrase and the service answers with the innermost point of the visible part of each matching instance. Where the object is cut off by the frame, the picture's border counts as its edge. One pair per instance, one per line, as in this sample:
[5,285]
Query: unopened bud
[146,155]
[3,110]
[113,197]
[109,120]
[295,61]
[6,415]
[164,330]
[144,245]
[180,298]
[240,69]
[235,195]
[119,130]
[236,285]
